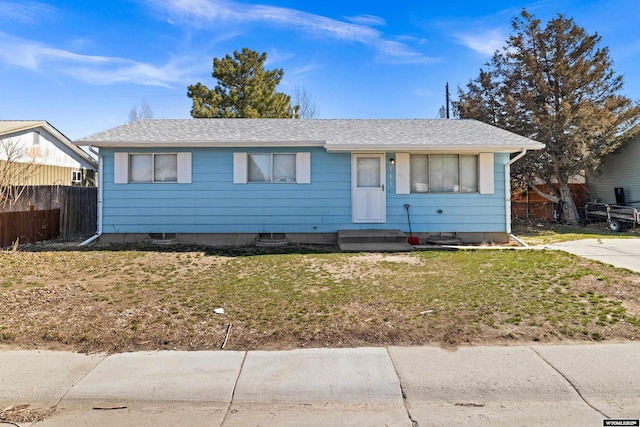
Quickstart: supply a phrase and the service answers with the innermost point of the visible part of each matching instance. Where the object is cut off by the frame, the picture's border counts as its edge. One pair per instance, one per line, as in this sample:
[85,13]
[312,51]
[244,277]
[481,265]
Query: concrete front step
[375,247]
[373,241]
[447,239]
[371,236]
[441,240]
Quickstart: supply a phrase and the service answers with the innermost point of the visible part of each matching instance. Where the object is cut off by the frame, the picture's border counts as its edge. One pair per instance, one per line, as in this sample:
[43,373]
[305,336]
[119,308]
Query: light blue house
[227,181]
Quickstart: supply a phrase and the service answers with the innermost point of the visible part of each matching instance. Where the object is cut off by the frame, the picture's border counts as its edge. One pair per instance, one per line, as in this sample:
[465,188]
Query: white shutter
[240,173]
[485,165]
[403,173]
[184,168]
[120,168]
[303,168]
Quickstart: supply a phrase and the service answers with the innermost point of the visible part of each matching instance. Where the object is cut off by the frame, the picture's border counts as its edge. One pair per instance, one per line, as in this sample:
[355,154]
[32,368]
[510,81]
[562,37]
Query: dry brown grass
[125,300]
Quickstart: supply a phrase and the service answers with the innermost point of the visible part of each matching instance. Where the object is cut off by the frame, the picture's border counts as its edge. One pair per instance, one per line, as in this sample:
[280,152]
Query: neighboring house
[619,170]
[225,181]
[58,161]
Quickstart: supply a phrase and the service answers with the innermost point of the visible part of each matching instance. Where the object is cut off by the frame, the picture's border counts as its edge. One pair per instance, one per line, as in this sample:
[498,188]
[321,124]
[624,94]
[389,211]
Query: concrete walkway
[396,386]
[623,253]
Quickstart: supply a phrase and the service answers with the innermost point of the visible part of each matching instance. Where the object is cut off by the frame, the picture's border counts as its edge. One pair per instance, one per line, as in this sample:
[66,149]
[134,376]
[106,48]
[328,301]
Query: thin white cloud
[484,42]
[278,56]
[25,12]
[418,40]
[29,54]
[92,69]
[400,52]
[366,20]
[131,72]
[207,13]
[303,70]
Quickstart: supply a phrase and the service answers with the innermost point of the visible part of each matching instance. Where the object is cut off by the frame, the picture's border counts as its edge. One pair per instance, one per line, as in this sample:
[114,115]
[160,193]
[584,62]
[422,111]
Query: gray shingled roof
[333,134]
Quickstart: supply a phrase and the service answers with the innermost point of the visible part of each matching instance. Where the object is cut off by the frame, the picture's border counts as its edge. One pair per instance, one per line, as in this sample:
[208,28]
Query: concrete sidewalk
[622,253]
[399,386]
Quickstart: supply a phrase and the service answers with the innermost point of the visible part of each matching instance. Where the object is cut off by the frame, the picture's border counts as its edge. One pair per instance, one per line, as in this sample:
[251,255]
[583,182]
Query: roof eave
[459,148]
[27,125]
[191,144]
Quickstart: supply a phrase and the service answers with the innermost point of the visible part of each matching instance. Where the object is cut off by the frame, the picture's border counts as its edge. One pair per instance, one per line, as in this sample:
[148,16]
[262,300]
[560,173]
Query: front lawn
[125,300]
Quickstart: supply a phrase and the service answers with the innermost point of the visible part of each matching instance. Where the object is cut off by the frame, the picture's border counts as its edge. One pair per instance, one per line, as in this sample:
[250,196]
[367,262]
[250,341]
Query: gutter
[100,191]
[507,194]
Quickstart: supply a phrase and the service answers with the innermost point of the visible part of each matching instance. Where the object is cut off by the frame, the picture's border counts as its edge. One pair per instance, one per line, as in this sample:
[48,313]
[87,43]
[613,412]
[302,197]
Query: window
[368,172]
[152,168]
[272,167]
[443,173]
[76,176]
[468,174]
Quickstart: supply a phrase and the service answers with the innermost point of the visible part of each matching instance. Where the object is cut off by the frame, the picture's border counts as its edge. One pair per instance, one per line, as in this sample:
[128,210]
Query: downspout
[100,190]
[507,194]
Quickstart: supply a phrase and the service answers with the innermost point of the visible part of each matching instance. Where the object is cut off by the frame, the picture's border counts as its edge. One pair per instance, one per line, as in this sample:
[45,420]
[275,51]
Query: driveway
[623,253]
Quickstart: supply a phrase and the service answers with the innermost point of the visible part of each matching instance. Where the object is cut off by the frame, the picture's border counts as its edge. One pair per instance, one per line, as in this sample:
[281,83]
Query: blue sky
[83,65]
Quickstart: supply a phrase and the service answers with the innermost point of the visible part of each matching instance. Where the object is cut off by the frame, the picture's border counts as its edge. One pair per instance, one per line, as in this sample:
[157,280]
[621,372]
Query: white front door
[368,199]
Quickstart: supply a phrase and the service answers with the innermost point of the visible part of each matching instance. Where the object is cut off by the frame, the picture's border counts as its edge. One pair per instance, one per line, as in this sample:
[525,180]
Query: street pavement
[622,253]
[395,386]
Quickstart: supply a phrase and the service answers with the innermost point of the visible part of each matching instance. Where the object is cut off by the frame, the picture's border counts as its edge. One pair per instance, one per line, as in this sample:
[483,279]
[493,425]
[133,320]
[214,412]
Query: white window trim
[241,168]
[486,184]
[121,168]
[76,176]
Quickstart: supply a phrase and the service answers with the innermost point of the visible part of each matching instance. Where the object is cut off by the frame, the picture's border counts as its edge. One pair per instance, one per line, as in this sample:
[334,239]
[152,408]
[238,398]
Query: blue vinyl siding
[212,203]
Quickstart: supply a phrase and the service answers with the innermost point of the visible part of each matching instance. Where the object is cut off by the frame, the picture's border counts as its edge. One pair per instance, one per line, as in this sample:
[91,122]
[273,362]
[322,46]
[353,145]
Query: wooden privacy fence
[29,227]
[532,210]
[527,204]
[78,212]
[49,212]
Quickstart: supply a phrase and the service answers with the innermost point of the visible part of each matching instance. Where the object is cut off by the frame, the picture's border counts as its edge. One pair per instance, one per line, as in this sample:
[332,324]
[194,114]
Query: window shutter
[184,168]
[240,168]
[403,175]
[485,165]
[303,168]
[120,168]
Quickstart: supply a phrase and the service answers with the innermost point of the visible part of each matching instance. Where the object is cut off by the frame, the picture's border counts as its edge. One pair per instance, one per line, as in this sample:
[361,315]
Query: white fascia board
[195,144]
[466,148]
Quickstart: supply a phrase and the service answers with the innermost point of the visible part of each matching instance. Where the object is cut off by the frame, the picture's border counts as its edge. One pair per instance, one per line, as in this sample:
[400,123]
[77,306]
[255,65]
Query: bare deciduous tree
[146,112]
[307,107]
[17,167]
